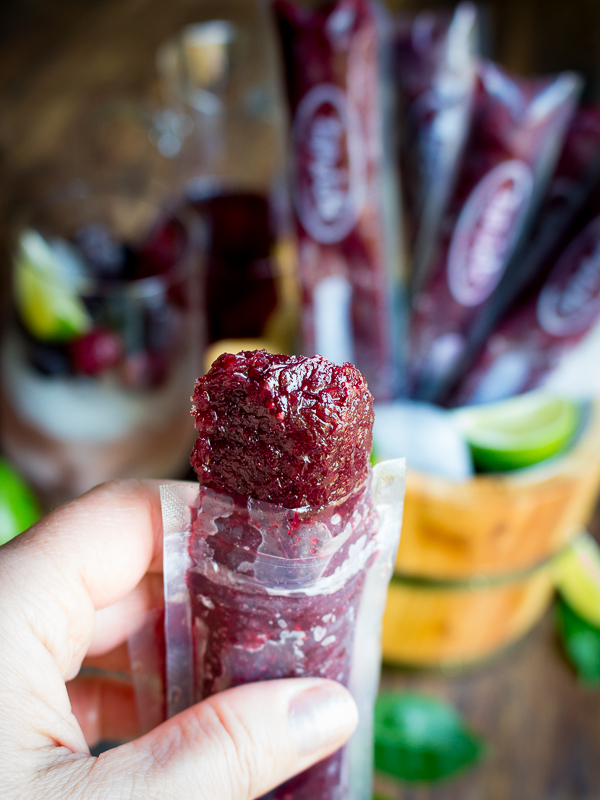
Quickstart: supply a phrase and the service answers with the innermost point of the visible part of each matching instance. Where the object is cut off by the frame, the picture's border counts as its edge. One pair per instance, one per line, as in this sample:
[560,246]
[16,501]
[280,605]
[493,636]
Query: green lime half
[18,506]
[518,432]
[577,577]
[48,306]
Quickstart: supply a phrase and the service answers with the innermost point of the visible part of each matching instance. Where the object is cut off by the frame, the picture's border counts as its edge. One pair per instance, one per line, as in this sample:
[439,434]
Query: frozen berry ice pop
[555,316]
[290,430]
[343,169]
[571,191]
[516,133]
[435,58]
[284,530]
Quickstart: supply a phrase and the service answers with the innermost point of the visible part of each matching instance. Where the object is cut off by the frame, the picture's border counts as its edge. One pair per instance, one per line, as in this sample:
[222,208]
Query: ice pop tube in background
[516,136]
[532,339]
[575,180]
[344,176]
[435,68]
[571,190]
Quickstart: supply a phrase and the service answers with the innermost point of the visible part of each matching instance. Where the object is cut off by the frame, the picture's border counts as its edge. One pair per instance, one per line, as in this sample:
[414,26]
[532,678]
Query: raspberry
[163,248]
[98,350]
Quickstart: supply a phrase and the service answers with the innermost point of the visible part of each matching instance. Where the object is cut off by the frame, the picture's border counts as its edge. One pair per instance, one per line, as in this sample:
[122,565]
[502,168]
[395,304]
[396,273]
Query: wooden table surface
[542,727]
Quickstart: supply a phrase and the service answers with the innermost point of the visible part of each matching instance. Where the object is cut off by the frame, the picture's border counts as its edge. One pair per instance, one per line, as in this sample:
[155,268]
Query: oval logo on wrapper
[329,185]
[569,303]
[486,232]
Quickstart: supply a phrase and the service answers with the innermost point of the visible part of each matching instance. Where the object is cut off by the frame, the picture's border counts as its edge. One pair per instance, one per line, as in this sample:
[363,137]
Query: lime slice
[518,432]
[18,507]
[48,306]
[577,576]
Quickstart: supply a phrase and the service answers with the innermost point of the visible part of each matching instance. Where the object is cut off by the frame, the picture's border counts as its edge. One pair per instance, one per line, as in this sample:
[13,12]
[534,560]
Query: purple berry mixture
[95,352]
[284,529]
[240,288]
[290,430]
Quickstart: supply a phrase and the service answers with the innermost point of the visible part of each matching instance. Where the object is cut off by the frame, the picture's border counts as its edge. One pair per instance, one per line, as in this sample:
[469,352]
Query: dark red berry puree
[284,529]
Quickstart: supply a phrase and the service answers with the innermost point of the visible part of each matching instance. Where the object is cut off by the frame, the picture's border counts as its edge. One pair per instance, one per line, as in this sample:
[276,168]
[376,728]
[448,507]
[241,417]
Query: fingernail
[321,718]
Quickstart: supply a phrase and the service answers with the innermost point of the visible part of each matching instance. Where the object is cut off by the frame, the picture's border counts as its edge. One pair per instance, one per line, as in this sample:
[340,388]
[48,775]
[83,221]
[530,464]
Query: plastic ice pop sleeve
[256,591]
[533,338]
[338,67]
[516,135]
[435,68]
[571,188]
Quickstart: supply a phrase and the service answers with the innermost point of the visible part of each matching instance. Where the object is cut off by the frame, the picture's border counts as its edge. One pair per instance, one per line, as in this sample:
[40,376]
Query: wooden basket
[437,624]
[472,571]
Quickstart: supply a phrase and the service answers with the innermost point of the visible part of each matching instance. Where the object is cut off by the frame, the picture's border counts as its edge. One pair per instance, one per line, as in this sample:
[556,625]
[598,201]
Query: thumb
[237,745]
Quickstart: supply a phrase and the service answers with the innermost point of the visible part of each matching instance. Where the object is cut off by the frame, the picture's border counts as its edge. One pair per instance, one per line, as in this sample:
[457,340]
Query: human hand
[72,586]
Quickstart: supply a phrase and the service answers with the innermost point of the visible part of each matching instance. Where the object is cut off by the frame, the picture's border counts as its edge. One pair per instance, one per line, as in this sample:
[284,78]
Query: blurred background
[153,214]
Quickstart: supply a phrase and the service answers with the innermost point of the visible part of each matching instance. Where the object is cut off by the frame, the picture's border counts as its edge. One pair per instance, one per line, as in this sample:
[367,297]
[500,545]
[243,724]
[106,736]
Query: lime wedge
[577,577]
[518,432]
[49,308]
[18,507]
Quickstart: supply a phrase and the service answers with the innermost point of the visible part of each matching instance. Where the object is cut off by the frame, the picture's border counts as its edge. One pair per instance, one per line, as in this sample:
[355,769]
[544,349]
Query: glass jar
[100,354]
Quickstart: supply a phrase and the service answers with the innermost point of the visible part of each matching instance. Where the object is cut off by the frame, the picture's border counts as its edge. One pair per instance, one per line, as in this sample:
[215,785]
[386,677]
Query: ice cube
[425,435]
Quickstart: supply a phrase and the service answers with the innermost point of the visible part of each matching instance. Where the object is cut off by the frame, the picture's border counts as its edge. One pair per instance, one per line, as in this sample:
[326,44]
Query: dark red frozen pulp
[290,430]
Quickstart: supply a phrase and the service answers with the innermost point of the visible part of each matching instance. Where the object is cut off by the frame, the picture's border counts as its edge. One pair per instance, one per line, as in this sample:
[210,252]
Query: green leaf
[422,739]
[581,642]
[18,506]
